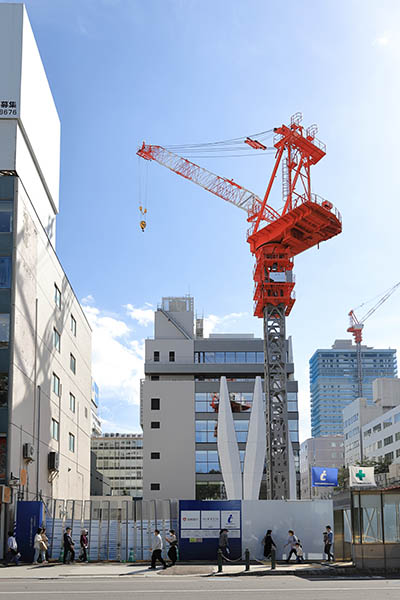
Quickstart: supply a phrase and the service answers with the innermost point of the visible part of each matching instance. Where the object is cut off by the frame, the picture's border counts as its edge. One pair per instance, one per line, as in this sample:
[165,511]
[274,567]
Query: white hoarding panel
[230,519]
[210,519]
[190,519]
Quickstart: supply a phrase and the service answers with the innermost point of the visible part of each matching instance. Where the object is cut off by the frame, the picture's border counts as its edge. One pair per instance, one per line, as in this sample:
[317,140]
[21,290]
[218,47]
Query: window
[155,425]
[72,363]
[387,423]
[156,356]
[398,453]
[71,442]
[154,487]
[86,412]
[6,210]
[3,389]
[389,456]
[207,461]
[379,444]
[57,296]
[388,440]
[56,385]
[55,429]
[5,270]
[154,455]
[397,417]
[155,378]
[397,437]
[4,330]
[377,428]
[172,357]
[155,404]
[56,340]
[73,325]
[72,402]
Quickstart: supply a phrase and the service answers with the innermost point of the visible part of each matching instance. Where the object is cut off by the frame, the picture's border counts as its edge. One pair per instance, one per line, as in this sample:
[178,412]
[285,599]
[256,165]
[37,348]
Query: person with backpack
[292,541]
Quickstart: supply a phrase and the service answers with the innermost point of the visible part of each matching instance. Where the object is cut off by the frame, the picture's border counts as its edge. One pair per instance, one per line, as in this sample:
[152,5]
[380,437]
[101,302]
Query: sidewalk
[116,570]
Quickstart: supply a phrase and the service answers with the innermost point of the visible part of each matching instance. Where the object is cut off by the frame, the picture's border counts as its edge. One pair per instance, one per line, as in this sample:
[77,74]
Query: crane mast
[275,237]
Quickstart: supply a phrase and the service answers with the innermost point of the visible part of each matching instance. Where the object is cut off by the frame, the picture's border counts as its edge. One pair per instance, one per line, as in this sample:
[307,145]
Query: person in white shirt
[39,547]
[156,547]
[12,550]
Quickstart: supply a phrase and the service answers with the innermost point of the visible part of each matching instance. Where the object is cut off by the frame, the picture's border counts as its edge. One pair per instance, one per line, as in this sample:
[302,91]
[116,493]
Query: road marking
[332,589]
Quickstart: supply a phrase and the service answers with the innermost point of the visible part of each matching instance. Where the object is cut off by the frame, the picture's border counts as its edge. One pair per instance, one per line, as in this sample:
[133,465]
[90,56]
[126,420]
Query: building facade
[365,425]
[45,339]
[324,452]
[178,402]
[95,419]
[333,382]
[119,457]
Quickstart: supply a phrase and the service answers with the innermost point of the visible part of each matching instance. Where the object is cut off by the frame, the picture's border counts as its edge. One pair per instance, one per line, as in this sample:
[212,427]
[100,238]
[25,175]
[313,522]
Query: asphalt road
[203,588]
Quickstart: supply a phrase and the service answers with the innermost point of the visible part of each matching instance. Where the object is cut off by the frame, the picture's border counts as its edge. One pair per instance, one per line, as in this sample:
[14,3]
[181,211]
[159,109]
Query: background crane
[275,237]
[356,327]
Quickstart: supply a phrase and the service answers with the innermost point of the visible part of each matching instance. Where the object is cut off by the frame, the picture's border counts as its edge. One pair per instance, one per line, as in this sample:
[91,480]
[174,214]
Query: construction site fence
[118,530]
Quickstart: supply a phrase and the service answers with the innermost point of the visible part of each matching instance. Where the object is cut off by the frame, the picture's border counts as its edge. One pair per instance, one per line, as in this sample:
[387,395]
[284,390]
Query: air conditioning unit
[28,451]
[53,461]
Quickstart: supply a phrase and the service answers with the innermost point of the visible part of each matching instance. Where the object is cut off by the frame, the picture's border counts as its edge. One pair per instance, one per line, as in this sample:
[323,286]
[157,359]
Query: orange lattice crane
[356,328]
[275,237]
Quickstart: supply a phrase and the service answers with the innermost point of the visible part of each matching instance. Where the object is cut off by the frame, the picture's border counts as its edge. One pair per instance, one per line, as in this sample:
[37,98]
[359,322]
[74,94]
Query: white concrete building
[326,451]
[386,395]
[45,339]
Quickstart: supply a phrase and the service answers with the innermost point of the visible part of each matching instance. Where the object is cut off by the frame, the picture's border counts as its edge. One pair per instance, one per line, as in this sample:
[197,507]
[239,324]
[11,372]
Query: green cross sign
[360,475]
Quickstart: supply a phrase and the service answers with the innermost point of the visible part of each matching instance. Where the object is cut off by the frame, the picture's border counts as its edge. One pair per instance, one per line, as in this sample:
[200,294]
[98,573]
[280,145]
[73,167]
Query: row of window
[228,357]
[57,346]
[55,434]
[156,356]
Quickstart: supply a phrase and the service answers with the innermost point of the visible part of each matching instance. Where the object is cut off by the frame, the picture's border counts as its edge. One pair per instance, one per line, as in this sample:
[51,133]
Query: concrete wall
[308,519]
[175,440]
[34,359]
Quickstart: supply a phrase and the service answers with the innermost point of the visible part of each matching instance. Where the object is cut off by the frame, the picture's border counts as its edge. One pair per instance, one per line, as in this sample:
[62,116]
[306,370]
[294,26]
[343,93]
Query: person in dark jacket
[69,552]
[223,542]
[84,542]
[268,544]
[173,546]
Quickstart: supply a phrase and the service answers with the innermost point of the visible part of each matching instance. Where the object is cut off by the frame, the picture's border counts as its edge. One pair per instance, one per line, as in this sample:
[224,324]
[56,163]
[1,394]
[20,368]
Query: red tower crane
[356,327]
[275,237]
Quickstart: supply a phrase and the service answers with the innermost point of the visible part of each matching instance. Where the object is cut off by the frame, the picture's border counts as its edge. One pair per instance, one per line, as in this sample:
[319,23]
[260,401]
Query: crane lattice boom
[220,186]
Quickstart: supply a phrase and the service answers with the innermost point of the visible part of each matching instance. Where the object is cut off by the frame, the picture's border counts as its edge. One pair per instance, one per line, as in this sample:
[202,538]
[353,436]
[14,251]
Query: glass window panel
[5,271]
[211,425]
[294,436]
[201,425]
[229,357]
[371,518]
[202,396]
[6,209]
[213,467]
[250,357]
[241,436]
[201,455]
[260,357]
[391,517]
[210,357]
[3,389]
[220,357]
[292,406]
[293,425]
[4,330]
[247,397]
[240,357]
[201,467]
[201,406]
[213,455]
[211,436]
[201,436]
[241,425]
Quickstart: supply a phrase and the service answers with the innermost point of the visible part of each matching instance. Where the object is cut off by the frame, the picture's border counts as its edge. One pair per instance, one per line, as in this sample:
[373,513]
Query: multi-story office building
[119,457]
[178,401]
[325,452]
[45,339]
[95,420]
[358,416]
[333,382]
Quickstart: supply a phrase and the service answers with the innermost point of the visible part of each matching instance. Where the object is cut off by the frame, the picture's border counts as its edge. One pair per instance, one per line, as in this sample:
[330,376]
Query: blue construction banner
[30,516]
[324,477]
[200,523]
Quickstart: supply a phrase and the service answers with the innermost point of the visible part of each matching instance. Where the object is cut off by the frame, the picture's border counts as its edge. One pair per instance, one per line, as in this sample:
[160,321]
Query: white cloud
[144,316]
[117,363]
[214,322]
[87,299]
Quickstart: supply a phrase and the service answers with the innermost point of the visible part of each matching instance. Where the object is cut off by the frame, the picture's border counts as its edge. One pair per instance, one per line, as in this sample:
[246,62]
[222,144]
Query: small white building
[358,415]
[45,338]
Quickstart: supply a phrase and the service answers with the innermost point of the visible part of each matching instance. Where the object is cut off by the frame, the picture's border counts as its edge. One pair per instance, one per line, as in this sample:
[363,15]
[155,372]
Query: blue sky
[188,71]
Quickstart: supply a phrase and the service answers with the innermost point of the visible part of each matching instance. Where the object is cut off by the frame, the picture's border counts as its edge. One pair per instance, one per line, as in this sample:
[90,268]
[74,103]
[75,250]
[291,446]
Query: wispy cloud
[144,316]
[214,322]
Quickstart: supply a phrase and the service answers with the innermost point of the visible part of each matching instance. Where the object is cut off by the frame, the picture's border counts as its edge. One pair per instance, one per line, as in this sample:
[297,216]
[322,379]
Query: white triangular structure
[255,447]
[228,450]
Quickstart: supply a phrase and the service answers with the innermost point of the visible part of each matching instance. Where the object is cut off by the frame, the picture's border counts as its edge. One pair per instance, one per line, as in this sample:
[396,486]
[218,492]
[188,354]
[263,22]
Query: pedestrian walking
[328,542]
[173,546]
[223,542]
[299,552]
[156,547]
[12,550]
[268,543]
[45,539]
[40,547]
[292,541]
[84,543]
[69,552]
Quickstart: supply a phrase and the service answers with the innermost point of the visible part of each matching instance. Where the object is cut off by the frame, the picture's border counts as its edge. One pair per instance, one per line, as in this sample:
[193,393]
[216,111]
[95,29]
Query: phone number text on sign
[8,108]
